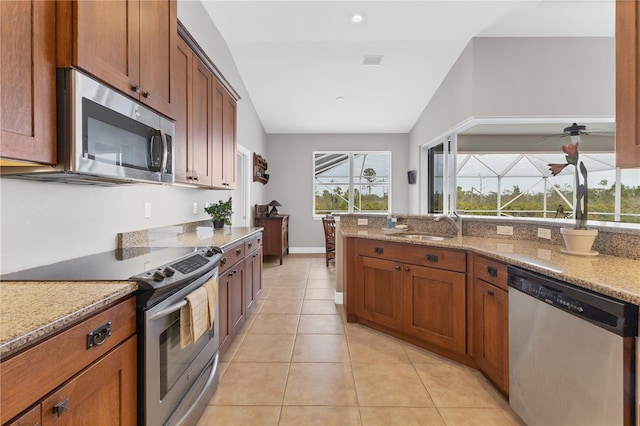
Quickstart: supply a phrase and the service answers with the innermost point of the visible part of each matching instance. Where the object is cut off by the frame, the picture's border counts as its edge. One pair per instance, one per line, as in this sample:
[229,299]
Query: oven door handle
[202,393]
[168,311]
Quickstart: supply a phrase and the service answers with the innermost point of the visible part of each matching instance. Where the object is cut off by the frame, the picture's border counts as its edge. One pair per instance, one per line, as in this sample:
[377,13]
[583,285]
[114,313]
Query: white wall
[519,77]
[290,160]
[43,223]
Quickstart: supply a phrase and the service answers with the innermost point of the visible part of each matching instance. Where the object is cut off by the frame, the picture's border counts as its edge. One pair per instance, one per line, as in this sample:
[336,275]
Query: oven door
[171,372]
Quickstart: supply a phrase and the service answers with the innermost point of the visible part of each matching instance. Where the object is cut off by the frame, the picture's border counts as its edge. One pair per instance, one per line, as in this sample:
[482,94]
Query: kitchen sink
[424,237]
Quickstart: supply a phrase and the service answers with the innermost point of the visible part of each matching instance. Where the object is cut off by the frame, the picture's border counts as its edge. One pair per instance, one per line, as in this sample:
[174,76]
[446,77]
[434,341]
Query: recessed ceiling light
[339,99]
[356,18]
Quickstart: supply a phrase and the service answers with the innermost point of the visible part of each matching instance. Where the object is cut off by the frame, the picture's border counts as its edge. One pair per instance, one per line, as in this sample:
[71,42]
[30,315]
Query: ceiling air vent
[371,61]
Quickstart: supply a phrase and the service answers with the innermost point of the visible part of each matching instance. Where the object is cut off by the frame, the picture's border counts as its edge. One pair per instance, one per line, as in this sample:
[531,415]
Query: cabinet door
[107,42]
[627,84]
[182,155]
[103,394]
[379,292]
[434,306]
[226,332]
[201,129]
[217,140]
[158,34]
[491,333]
[253,270]
[28,81]
[257,273]
[229,142]
[237,307]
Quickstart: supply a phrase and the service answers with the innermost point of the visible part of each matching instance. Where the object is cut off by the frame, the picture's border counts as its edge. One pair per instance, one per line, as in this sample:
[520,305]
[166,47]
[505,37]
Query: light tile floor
[296,362]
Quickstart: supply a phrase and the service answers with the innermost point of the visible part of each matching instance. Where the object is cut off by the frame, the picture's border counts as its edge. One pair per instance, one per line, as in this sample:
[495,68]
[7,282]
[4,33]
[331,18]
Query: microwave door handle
[165,151]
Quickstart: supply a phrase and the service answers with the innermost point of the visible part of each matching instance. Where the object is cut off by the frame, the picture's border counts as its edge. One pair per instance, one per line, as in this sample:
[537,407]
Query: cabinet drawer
[491,271]
[57,359]
[231,256]
[434,257]
[253,243]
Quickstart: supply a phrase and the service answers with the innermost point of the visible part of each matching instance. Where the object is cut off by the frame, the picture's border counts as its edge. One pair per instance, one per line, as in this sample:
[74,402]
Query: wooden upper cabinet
[205,144]
[182,155]
[128,44]
[229,142]
[627,83]
[217,142]
[202,127]
[158,34]
[28,81]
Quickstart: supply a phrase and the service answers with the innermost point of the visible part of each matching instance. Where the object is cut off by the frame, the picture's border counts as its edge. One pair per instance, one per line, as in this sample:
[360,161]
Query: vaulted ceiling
[302,61]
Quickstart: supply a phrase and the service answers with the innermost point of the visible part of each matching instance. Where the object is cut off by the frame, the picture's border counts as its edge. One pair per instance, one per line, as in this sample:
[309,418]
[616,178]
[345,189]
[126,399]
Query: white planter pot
[578,240]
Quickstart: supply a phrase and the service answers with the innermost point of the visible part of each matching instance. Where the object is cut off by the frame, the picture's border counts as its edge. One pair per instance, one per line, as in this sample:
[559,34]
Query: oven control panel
[181,270]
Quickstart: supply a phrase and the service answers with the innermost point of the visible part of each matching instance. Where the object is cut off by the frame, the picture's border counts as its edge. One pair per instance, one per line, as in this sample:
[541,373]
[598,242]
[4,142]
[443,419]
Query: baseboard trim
[306,250]
[339,298]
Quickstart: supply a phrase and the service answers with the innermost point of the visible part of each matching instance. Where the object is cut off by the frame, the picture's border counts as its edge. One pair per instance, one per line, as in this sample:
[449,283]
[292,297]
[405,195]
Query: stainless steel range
[174,383]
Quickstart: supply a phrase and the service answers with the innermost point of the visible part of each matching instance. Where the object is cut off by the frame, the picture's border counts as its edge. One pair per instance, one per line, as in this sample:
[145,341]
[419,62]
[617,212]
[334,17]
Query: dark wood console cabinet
[276,233]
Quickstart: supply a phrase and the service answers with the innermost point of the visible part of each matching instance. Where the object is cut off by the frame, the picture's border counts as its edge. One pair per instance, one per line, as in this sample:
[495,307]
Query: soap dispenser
[389,221]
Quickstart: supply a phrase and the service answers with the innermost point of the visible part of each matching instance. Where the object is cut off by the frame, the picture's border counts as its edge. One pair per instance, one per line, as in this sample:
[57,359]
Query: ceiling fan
[575,131]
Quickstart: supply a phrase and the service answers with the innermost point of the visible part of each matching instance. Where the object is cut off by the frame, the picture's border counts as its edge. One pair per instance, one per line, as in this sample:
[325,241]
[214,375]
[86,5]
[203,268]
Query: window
[351,182]
[519,185]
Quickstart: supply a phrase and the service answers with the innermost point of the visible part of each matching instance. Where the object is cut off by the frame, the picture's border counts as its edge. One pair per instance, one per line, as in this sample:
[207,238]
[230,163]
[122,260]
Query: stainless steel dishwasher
[571,353]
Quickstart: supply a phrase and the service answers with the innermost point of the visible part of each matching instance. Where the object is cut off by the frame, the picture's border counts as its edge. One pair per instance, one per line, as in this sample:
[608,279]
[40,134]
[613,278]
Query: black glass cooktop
[117,265]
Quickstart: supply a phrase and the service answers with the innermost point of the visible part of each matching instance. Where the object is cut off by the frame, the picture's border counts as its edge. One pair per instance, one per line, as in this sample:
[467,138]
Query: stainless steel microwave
[105,137]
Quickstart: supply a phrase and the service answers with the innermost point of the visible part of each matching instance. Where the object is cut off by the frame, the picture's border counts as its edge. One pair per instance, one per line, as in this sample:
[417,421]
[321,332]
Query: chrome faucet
[457,222]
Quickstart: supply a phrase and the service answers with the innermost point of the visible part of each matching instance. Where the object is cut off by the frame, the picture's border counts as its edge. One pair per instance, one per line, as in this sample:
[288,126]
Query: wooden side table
[276,234]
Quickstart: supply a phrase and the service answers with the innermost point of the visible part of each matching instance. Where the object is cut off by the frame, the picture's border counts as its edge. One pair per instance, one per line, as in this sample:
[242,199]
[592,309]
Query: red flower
[557,168]
[572,153]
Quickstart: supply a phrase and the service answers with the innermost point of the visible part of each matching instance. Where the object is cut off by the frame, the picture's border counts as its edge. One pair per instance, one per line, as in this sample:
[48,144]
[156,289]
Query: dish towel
[212,294]
[194,317]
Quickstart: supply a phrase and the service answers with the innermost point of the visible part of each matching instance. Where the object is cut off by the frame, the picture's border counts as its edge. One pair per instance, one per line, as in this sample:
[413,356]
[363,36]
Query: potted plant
[578,240]
[220,213]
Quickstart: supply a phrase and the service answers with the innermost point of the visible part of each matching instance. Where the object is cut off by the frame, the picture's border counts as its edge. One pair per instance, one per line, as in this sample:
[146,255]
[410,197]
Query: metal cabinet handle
[135,88]
[431,258]
[61,407]
[223,261]
[378,250]
[490,292]
[238,252]
[147,95]
[250,245]
[493,272]
[397,268]
[99,335]
[406,269]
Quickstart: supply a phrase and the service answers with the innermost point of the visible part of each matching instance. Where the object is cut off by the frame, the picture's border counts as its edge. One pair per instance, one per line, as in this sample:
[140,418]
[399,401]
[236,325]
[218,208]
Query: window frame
[352,185]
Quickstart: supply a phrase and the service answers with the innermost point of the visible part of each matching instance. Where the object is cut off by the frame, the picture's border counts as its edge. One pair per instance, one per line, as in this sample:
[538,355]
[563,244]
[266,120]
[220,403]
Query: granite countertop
[30,310]
[613,276]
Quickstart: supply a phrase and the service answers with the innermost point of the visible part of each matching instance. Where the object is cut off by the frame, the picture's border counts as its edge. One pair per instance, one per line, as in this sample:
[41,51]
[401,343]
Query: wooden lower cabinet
[253,270]
[379,292]
[435,306]
[225,332]
[237,307]
[425,303]
[491,333]
[103,394]
[77,385]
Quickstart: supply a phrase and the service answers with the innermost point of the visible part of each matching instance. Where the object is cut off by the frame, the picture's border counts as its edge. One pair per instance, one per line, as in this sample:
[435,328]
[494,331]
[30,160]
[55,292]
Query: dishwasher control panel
[609,313]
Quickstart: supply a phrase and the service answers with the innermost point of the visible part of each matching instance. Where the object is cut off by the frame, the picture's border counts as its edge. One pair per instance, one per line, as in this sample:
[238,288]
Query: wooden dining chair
[329,224]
